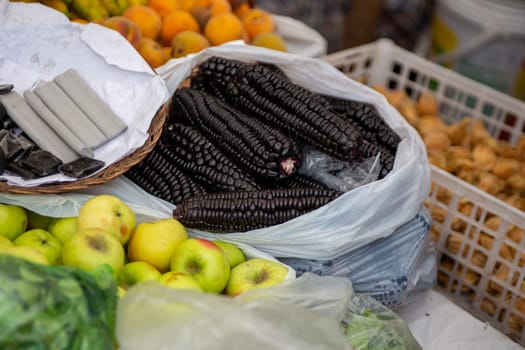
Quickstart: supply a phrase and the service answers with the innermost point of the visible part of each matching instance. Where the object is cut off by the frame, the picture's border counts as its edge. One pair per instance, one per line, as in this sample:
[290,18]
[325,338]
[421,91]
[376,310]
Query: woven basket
[109,173]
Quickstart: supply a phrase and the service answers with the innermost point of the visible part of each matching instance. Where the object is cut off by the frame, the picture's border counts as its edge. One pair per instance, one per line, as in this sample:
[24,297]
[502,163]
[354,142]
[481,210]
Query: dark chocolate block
[14,145]
[42,163]
[3,161]
[81,167]
[19,169]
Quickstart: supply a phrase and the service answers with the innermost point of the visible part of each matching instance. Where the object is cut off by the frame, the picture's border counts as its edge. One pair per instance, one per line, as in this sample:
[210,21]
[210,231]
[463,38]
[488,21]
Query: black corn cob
[386,159]
[263,151]
[248,210]
[195,155]
[374,128]
[161,178]
[300,181]
[276,100]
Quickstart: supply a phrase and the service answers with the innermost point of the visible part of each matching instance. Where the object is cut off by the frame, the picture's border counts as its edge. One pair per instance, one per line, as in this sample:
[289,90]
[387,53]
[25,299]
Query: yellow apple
[4,241]
[63,228]
[42,241]
[91,247]
[155,242]
[13,221]
[108,213]
[136,272]
[179,280]
[25,252]
[233,253]
[255,273]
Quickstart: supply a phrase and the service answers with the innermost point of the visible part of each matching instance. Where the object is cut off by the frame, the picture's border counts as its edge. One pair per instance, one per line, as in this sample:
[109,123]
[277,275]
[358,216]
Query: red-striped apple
[203,260]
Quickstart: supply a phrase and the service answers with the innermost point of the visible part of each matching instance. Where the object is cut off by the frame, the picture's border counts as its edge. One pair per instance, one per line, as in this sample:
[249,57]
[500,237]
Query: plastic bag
[336,174]
[150,316]
[56,307]
[372,326]
[361,215]
[310,312]
[299,37]
[388,269]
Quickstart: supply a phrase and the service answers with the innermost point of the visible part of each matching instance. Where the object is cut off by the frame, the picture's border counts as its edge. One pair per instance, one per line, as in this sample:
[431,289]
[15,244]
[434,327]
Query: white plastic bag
[300,314]
[361,215]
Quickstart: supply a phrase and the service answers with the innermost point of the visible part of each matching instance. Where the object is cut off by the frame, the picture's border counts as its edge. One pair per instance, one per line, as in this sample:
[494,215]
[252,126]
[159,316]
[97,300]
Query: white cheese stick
[39,132]
[90,103]
[56,124]
[67,111]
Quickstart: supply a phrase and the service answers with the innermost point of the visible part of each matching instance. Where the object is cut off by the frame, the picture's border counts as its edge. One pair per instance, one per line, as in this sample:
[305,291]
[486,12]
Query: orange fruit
[187,5]
[241,9]
[167,51]
[257,21]
[222,28]
[187,42]
[203,10]
[163,7]
[146,18]
[126,27]
[152,52]
[270,40]
[176,22]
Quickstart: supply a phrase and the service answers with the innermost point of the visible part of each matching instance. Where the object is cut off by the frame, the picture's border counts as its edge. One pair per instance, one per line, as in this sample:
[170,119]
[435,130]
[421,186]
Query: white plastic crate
[481,267]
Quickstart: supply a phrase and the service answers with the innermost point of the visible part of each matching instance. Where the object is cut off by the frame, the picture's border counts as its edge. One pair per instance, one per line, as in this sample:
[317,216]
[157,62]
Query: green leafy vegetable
[56,307]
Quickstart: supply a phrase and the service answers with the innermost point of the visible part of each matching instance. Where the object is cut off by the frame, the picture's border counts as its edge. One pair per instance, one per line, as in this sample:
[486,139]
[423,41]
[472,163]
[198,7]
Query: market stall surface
[437,323]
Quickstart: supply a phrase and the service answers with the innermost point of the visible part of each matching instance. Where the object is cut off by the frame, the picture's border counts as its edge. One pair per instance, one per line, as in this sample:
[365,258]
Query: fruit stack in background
[164,29]
[105,232]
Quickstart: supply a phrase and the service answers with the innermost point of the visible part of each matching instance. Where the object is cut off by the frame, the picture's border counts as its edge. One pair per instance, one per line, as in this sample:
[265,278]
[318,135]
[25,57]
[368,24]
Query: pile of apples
[106,232]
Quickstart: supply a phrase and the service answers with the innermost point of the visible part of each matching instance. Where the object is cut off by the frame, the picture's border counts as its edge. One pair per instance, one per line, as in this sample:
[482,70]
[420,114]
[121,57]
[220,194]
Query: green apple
[4,241]
[42,241]
[255,273]
[36,220]
[136,272]
[233,253]
[154,242]
[179,280]
[108,213]
[92,247]
[203,260]
[25,252]
[63,228]
[13,221]
[121,291]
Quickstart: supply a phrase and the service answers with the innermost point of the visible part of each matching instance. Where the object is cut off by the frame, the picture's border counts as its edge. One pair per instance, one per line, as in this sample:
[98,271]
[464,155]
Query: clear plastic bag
[290,316]
[336,174]
[372,326]
[310,312]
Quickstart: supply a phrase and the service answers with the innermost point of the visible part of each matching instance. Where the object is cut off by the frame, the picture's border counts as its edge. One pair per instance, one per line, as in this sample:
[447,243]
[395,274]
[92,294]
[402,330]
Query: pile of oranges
[164,29]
